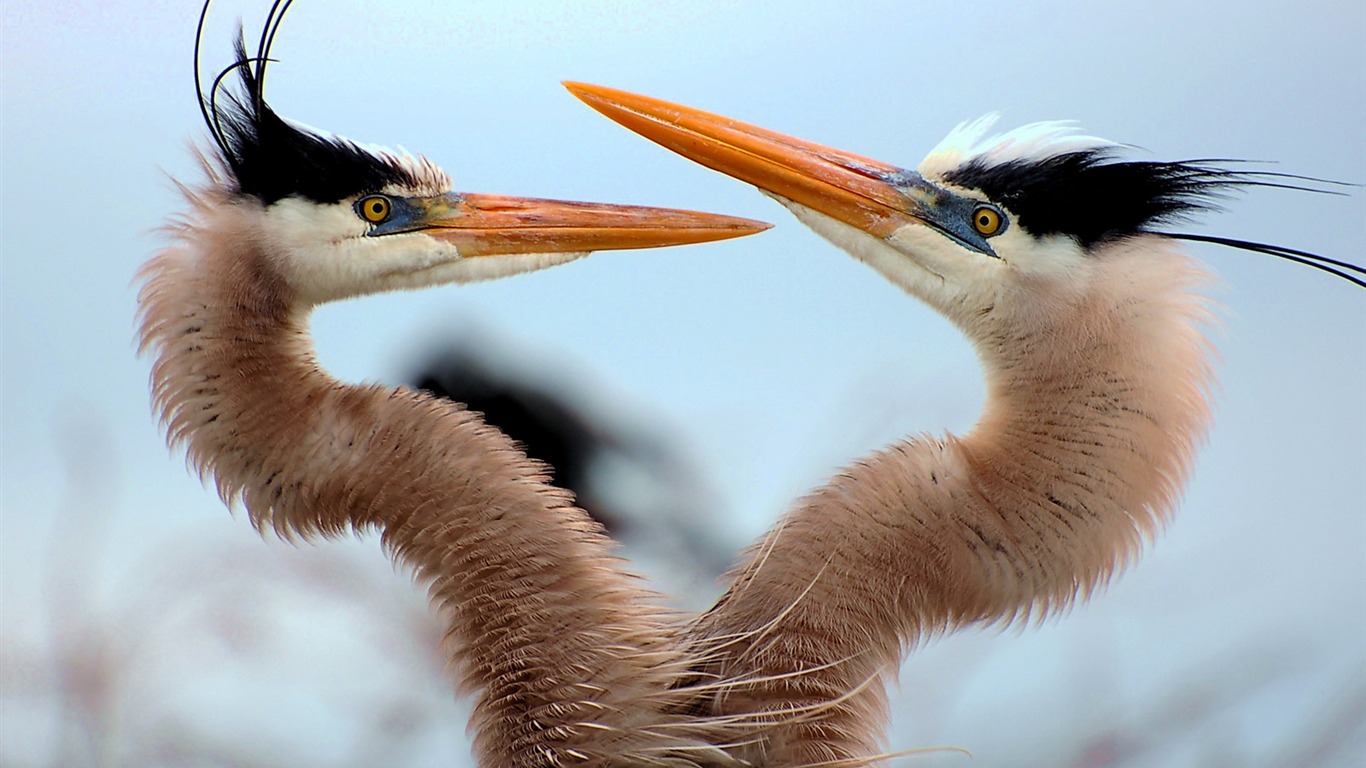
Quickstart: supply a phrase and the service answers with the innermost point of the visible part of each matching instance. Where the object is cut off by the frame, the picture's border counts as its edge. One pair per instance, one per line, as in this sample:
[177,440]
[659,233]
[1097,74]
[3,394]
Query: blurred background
[701,389]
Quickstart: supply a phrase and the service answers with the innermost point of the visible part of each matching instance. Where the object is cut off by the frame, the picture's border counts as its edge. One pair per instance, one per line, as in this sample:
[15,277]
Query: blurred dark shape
[547,426]
[624,477]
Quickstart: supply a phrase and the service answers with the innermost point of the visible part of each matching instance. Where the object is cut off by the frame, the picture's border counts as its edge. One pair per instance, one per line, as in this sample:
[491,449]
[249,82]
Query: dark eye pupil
[377,207]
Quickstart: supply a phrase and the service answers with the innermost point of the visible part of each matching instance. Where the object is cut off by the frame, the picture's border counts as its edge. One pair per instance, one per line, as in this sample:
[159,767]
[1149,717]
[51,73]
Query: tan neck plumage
[1085,441]
[569,657]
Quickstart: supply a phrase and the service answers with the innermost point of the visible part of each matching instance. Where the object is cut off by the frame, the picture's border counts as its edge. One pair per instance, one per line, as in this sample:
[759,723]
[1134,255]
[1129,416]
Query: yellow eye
[987,221]
[375,208]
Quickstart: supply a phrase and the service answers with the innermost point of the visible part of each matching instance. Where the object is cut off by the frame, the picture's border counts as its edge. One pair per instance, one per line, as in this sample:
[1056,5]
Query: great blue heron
[1043,251]
[1047,249]
[570,656]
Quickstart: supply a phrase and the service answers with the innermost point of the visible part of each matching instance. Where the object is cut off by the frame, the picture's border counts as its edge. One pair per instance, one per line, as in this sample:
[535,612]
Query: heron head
[1031,222]
[342,219]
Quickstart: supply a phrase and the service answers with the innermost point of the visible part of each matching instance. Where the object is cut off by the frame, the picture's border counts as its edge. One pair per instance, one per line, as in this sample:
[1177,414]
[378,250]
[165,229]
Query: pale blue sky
[769,360]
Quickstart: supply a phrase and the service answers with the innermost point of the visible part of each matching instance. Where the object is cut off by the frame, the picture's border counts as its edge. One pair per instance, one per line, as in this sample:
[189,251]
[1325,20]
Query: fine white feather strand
[971,140]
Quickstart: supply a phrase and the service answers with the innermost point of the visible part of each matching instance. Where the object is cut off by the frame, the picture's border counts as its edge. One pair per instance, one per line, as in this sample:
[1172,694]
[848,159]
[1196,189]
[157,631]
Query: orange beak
[856,190]
[492,225]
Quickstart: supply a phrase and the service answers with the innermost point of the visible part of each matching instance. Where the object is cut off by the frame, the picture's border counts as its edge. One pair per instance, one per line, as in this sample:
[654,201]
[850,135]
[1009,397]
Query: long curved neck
[569,656]
[1085,441]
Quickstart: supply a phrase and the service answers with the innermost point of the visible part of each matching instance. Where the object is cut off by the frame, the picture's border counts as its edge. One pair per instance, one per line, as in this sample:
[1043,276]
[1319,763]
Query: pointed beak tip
[738,227]
[608,101]
[581,91]
[715,227]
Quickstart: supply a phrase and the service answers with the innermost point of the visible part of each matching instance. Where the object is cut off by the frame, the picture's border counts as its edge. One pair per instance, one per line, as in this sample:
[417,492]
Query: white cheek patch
[852,240]
[952,278]
[923,262]
[1051,258]
[1054,266]
[317,247]
[325,254]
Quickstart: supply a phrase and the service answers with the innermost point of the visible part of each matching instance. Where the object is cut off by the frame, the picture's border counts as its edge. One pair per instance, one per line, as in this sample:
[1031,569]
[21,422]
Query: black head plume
[1093,198]
[270,158]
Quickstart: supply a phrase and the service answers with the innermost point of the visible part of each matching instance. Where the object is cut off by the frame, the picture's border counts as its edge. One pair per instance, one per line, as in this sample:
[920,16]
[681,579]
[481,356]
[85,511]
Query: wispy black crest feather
[271,159]
[1093,198]
[1331,266]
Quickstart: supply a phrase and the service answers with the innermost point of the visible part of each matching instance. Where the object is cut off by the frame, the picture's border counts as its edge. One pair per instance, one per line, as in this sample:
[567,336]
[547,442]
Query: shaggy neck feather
[1087,435]
[569,656]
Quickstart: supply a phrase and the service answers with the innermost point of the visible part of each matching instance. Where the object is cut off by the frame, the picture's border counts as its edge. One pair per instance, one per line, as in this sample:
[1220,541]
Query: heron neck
[568,654]
[1085,440]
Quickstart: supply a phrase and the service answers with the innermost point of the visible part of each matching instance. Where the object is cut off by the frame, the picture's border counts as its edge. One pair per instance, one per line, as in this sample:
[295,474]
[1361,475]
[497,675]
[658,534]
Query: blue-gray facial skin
[950,213]
[405,214]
